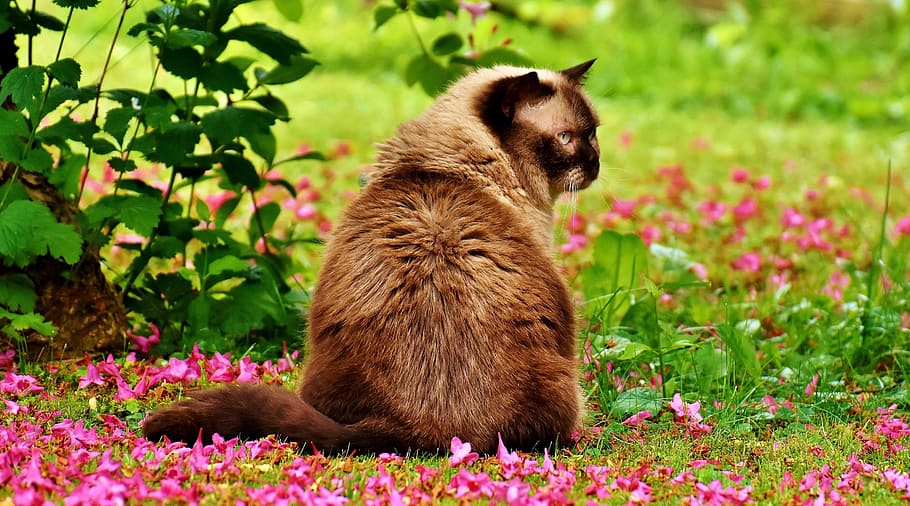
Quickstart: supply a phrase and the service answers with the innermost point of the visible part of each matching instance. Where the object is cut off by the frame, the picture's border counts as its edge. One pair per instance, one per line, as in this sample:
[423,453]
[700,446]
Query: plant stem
[144,252]
[423,46]
[94,119]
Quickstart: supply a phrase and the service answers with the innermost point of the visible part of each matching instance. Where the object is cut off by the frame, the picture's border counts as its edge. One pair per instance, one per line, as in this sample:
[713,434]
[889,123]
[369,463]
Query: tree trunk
[78,299]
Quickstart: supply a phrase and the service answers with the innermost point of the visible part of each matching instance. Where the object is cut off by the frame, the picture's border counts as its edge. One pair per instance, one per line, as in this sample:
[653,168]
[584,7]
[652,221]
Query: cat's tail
[255,411]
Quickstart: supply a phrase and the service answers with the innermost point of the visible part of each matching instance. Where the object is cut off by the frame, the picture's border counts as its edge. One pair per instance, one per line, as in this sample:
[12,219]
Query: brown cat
[439,311]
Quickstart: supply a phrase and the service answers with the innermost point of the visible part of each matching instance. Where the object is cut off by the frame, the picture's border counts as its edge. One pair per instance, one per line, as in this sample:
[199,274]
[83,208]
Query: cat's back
[430,284]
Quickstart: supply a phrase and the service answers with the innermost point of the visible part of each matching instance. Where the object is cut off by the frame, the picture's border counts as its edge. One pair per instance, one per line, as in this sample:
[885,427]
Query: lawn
[755,159]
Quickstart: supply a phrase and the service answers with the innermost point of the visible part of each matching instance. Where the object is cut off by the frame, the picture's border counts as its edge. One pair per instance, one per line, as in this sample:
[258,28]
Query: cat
[439,310]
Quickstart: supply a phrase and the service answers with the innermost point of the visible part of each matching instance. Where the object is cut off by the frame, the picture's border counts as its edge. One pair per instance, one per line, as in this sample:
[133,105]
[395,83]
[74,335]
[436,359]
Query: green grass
[813,105]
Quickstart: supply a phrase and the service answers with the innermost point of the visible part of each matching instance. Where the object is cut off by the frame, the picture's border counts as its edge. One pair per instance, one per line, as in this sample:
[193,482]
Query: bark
[78,299]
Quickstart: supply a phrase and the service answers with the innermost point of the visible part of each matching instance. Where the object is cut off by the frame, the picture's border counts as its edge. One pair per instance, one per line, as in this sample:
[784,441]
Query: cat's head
[544,119]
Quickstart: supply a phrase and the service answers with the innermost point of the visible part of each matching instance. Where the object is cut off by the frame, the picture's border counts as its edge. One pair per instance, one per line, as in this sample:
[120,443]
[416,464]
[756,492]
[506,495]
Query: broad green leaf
[502,56]
[67,71]
[620,261]
[224,211]
[225,125]
[222,76]
[227,264]
[67,174]
[48,21]
[117,121]
[447,44]
[635,400]
[268,40]
[177,142]
[428,8]
[187,37]
[12,124]
[28,230]
[25,86]
[32,321]
[78,4]
[67,129]
[743,350]
[185,62]
[139,213]
[17,292]
[428,72]
[383,14]
[297,68]
[292,10]
[239,170]
[121,164]
[641,321]
[102,146]
[38,160]
[11,148]
[274,105]
[265,145]
[268,214]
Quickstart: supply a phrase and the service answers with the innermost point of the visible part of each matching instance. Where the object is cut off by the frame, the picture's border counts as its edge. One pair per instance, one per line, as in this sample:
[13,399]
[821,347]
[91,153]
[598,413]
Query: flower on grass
[638,419]
[902,227]
[19,384]
[461,453]
[689,414]
[813,385]
[91,376]
[748,262]
[145,343]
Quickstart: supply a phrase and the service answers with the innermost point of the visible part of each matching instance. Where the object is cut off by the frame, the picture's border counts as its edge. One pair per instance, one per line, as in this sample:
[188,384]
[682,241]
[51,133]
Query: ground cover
[760,358]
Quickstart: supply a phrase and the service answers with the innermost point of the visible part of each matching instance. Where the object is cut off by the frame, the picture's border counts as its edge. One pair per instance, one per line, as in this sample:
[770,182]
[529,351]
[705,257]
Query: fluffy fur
[439,311]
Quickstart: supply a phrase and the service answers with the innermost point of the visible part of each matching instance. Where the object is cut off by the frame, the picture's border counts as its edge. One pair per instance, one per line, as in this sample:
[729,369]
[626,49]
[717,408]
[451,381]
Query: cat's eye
[564,137]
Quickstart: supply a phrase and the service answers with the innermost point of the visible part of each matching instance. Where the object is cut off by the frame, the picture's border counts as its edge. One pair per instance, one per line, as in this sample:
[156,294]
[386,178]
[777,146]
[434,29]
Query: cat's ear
[523,89]
[577,73]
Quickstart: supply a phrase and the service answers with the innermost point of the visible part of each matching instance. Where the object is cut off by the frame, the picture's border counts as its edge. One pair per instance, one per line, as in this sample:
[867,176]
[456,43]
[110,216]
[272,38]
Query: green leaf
[383,14]
[188,37]
[265,145]
[31,321]
[25,86]
[641,320]
[292,10]
[67,174]
[185,62]
[78,4]
[428,9]
[117,121]
[743,350]
[38,160]
[12,124]
[635,400]
[227,264]
[67,129]
[222,76]
[428,72]
[620,260]
[48,21]
[67,71]
[174,144]
[502,56]
[274,105]
[225,125]
[239,170]
[297,68]
[268,40]
[225,210]
[139,213]
[447,44]
[28,230]
[268,213]
[121,164]
[17,292]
